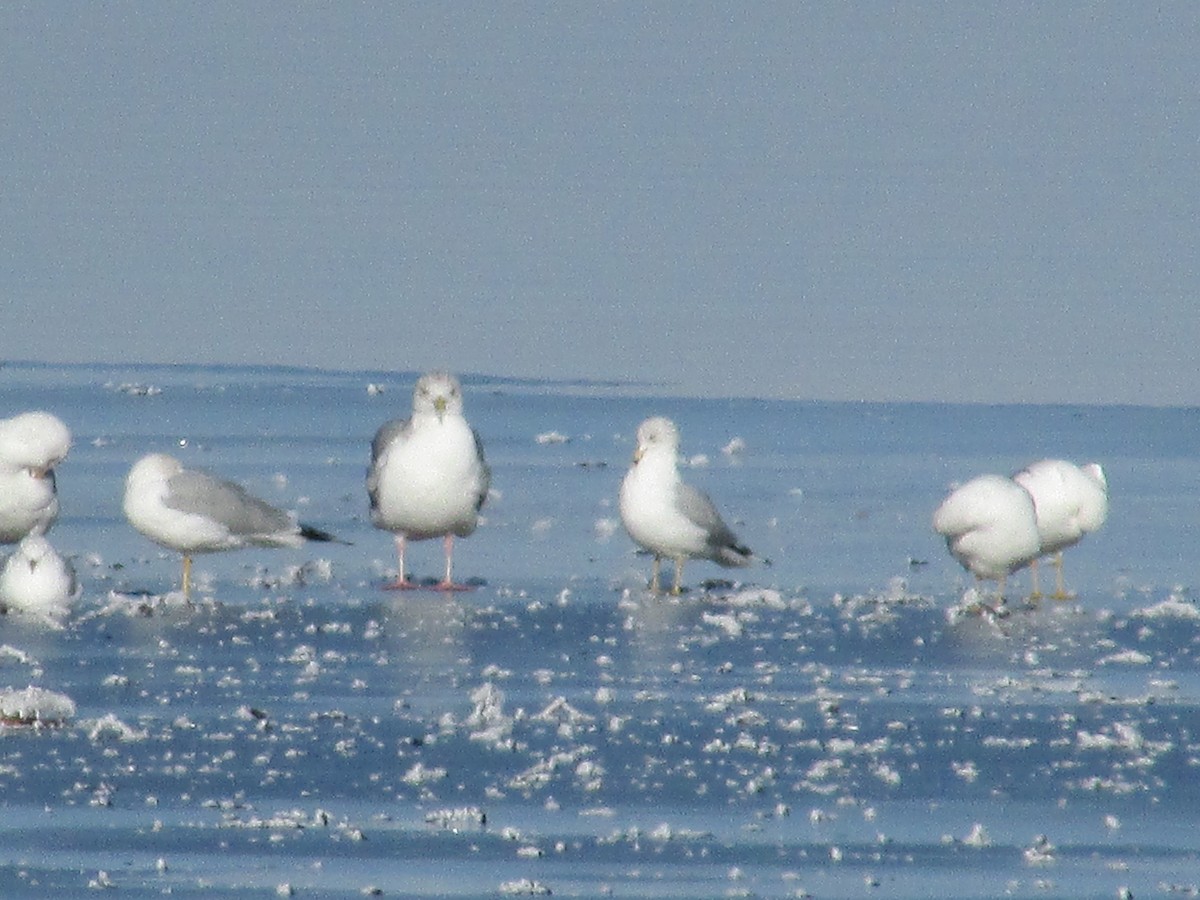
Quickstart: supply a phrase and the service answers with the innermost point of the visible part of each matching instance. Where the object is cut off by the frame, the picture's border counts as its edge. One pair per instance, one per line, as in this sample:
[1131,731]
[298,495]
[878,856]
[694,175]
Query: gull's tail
[734,555]
[309,533]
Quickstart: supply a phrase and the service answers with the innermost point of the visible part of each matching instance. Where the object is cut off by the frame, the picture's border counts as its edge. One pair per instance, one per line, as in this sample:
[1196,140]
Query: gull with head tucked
[31,445]
[1070,501]
[990,528]
[671,519]
[38,582]
[192,511]
[427,476]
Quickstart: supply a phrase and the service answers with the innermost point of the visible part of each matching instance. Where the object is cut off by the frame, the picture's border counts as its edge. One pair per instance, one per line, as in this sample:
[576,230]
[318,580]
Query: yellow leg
[678,586]
[1060,590]
[187,576]
[1036,593]
[654,574]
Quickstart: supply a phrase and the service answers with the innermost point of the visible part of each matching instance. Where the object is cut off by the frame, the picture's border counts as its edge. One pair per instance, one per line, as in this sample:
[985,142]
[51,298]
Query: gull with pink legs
[428,477]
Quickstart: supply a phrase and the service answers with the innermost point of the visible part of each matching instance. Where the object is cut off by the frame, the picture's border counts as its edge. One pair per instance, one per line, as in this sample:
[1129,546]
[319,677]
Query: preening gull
[37,581]
[671,519]
[1070,501]
[990,527]
[192,511]
[31,445]
[428,477]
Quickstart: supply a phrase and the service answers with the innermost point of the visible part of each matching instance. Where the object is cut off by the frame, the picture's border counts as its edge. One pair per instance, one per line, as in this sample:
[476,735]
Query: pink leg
[401,583]
[447,583]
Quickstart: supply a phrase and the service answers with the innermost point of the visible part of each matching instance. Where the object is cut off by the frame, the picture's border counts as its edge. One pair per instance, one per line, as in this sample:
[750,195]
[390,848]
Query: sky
[968,202]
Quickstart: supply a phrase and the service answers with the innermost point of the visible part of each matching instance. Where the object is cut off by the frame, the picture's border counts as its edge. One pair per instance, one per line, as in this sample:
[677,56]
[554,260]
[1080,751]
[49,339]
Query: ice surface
[820,727]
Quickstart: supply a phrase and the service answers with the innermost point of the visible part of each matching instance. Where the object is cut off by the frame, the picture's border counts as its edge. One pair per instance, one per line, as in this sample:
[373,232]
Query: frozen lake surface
[833,725]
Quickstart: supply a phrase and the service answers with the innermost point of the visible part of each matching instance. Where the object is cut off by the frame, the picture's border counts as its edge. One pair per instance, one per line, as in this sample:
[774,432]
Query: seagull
[428,477]
[192,511]
[37,581]
[990,527]
[667,517]
[1070,501]
[31,445]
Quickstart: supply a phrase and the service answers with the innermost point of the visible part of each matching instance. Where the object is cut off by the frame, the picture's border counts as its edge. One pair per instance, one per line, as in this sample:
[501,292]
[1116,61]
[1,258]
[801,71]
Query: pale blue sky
[961,201]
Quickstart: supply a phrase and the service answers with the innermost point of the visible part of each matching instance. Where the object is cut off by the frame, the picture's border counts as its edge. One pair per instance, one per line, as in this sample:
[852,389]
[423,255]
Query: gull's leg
[1060,590]
[447,584]
[401,583]
[654,589]
[1036,593]
[677,588]
[187,576]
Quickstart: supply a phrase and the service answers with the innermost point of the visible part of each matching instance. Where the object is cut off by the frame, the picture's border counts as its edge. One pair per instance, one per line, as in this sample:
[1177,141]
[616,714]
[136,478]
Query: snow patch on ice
[487,720]
[1125,658]
[110,727]
[34,706]
[1174,607]
[421,774]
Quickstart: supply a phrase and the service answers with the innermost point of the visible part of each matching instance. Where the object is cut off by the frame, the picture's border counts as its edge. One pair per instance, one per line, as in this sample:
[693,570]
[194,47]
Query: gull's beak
[439,405]
[637,454]
[40,472]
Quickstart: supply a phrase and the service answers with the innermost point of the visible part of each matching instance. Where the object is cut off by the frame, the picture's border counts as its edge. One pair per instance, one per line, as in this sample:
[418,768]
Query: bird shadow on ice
[426,628]
[655,624]
[146,604]
[1019,628]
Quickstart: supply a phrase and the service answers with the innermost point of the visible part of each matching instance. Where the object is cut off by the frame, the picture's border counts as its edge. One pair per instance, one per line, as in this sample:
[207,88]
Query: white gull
[671,519]
[192,511]
[427,476]
[990,528]
[38,582]
[1070,501]
[31,445]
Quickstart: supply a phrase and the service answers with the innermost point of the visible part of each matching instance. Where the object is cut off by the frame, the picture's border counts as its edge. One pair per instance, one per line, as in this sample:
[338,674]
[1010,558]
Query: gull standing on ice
[428,477]
[667,517]
[1070,501]
[37,581]
[990,527]
[191,511]
[31,445]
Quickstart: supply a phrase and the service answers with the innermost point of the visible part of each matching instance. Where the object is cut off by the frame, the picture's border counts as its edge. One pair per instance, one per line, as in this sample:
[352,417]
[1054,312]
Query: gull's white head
[656,432]
[1096,473]
[37,441]
[437,393]
[34,548]
[152,468]
[1093,507]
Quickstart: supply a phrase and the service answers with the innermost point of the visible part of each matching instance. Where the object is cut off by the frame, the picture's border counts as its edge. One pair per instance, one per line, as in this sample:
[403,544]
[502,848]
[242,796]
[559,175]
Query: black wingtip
[316,534]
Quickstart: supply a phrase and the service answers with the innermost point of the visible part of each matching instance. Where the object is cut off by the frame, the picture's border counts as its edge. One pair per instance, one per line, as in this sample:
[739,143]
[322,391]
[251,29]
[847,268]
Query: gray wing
[485,481]
[223,501]
[722,542]
[387,433]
